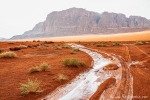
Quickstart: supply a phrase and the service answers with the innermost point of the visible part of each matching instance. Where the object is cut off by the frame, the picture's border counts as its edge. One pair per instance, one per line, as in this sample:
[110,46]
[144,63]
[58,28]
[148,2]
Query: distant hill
[2,38]
[76,21]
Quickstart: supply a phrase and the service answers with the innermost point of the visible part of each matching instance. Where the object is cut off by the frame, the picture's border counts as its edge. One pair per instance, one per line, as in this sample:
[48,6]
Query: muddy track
[125,89]
[79,90]
[142,51]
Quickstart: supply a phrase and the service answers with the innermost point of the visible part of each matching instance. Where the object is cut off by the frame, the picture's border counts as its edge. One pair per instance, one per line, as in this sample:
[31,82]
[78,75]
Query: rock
[111,67]
[77,21]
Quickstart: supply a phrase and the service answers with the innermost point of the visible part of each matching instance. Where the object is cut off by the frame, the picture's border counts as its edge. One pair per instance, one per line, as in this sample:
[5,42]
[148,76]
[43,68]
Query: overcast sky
[18,16]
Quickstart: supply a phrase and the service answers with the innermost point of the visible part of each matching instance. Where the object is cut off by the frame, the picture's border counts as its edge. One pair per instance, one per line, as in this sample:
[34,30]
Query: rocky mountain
[1,39]
[76,21]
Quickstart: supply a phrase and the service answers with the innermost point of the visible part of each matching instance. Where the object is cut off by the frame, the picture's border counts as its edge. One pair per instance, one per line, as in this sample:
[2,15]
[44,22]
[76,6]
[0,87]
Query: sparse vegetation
[57,47]
[8,54]
[72,52]
[32,86]
[61,77]
[1,50]
[75,49]
[102,44]
[11,42]
[23,46]
[65,46]
[72,62]
[44,67]
[33,69]
[115,43]
[140,42]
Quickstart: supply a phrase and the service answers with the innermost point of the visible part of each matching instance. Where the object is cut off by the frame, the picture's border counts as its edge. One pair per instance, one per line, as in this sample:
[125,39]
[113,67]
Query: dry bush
[61,77]
[57,47]
[102,44]
[2,50]
[75,49]
[23,46]
[33,69]
[65,46]
[44,67]
[72,52]
[115,43]
[140,42]
[11,42]
[32,86]
[72,62]
[8,54]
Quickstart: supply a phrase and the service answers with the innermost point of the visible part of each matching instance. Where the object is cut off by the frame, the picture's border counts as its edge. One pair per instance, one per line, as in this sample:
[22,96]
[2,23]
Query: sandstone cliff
[76,21]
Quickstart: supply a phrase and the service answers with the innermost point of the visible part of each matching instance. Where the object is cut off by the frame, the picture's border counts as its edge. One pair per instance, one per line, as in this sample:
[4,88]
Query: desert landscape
[103,68]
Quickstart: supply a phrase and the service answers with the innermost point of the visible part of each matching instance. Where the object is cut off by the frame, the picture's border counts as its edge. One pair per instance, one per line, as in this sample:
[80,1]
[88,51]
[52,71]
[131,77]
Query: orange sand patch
[132,36]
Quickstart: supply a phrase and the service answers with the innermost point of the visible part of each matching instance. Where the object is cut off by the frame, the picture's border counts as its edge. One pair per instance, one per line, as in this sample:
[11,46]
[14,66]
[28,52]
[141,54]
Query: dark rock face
[76,21]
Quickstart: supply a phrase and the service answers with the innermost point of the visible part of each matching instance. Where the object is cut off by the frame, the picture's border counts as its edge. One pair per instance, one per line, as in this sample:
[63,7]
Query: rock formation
[76,21]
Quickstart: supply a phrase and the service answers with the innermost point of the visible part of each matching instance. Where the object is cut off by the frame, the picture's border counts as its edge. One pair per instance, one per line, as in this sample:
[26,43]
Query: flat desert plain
[109,69]
[131,36]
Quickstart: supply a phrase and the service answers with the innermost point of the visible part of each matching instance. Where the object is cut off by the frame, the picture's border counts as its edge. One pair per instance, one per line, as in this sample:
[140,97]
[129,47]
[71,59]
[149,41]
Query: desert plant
[75,49]
[61,77]
[140,42]
[33,69]
[32,86]
[2,50]
[101,44]
[72,52]
[65,46]
[72,62]
[11,42]
[8,54]
[115,43]
[57,47]
[23,46]
[44,67]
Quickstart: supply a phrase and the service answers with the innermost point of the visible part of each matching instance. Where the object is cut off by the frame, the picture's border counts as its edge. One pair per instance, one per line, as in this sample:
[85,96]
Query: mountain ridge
[76,21]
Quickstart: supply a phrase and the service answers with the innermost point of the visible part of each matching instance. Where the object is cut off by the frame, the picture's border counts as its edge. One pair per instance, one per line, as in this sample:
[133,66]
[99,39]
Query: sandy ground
[15,71]
[133,36]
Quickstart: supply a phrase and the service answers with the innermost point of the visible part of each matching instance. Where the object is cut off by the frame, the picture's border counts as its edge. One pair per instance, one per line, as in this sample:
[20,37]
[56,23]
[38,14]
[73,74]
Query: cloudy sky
[18,16]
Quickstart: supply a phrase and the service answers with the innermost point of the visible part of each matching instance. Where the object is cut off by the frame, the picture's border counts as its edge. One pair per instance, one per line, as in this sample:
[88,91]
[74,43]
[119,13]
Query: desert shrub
[2,50]
[75,49]
[41,48]
[38,40]
[57,47]
[140,42]
[46,45]
[115,43]
[72,62]
[101,44]
[65,46]
[33,69]
[23,46]
[92,44]
[32,86]
[72,52]
[44,66]
[8,54]
[11,42]
[61,77]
